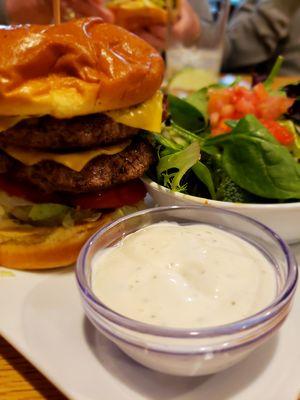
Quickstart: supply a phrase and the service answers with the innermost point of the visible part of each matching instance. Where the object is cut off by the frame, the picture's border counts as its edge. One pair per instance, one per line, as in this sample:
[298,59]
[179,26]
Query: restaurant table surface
[19,380]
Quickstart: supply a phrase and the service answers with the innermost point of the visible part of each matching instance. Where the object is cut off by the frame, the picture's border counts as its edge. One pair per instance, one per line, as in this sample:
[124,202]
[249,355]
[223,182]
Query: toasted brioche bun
[28,247]
[139,18]
[76,68]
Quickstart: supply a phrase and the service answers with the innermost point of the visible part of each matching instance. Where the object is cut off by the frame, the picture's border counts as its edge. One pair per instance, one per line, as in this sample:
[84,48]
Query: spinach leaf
[186,115]
[292,127]
[256,162]
[199,100]
[204,175]
[261,167]
[251,126]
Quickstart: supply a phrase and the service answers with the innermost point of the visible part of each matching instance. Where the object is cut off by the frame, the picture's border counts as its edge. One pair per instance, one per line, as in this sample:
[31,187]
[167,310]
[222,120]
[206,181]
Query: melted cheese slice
[76,161]
[147,116]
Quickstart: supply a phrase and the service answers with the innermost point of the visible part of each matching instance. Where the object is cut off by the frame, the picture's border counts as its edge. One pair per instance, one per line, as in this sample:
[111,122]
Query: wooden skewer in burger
[74,100]
[56,11]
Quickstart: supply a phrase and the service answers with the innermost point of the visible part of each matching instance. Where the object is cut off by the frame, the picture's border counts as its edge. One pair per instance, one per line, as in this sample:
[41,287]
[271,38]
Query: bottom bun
[28,247]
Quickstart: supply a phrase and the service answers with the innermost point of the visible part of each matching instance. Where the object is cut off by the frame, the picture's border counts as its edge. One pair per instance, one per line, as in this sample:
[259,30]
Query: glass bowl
[190,352]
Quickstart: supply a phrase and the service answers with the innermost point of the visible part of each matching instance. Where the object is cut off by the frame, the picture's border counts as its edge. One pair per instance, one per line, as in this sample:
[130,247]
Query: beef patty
[101,172]
[78,132]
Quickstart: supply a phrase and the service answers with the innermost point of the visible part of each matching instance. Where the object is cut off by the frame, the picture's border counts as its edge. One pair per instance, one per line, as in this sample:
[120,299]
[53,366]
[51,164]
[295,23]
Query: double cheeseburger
[75,102]
[136,15]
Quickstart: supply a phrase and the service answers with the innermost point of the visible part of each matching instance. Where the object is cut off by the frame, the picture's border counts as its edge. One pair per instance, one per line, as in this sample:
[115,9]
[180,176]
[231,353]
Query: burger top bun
[76,68]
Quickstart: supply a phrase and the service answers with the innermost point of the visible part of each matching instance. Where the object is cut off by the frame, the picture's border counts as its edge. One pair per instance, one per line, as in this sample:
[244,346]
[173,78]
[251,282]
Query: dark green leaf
[199,100]
[185,114]
[182,161]
[204,175]
[251,126]
[256,162]
[274,72]
[166,142]
[262,167]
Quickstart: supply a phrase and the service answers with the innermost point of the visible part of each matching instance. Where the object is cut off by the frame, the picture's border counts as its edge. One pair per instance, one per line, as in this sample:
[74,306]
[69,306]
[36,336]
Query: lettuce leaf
[45,214]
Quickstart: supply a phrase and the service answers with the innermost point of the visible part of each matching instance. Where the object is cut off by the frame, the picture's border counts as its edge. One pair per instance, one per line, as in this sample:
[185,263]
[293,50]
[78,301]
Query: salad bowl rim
[218,203]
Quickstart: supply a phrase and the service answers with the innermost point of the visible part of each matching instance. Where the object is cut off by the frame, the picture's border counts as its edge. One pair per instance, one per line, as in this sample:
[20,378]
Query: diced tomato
[274,107]
[239,92]
[128,193]
[217,99]
[282,134]
[221,128]
[245,106]
[237,102]
[260,92]
[227,111]
[214,118]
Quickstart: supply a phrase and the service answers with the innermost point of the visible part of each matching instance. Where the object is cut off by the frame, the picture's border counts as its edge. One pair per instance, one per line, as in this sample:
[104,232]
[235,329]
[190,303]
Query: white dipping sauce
[183,276]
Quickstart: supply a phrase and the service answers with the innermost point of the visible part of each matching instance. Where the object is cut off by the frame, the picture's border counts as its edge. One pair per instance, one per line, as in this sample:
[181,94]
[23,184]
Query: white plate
[41,315]
[282,218]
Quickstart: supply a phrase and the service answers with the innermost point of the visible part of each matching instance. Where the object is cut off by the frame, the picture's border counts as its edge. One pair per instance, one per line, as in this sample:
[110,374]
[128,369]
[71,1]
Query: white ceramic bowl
[281,218]
[189,351]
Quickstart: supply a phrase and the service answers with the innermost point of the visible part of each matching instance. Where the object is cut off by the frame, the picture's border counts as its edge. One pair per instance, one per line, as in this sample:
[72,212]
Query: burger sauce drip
[56,11]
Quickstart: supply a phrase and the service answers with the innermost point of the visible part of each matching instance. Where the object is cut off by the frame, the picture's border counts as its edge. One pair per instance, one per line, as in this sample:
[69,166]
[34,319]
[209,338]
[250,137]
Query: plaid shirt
[260,30]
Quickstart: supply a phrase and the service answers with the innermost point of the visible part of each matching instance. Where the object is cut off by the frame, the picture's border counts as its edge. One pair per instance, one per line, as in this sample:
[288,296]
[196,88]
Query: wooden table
[19,380]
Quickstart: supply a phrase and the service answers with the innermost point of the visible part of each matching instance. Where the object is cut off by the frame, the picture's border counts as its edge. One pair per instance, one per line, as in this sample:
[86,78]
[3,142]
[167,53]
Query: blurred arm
[3,17]
[29,11]
[256,29]
[40,11]
[201,7]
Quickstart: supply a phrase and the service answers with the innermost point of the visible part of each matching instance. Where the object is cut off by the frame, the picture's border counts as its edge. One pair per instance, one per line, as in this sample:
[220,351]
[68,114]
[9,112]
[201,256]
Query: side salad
[233,143]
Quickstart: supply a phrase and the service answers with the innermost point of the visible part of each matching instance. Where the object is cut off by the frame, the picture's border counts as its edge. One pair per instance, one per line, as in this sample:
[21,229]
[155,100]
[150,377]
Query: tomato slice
[128,193]
[125,194]
[27,192]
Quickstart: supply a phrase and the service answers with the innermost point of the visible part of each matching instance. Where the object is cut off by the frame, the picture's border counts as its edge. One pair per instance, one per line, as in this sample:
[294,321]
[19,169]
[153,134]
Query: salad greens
[273,74]
[182,161]
[187,115]
[258,163]
[248,164]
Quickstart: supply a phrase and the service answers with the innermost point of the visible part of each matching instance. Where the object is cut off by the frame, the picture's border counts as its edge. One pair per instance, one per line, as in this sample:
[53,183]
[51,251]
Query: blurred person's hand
[41,12]
[186,28]
[156,35]
[86,8]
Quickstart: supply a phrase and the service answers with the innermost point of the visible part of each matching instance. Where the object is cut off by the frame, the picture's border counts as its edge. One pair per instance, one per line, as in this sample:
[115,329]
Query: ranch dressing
[183,276]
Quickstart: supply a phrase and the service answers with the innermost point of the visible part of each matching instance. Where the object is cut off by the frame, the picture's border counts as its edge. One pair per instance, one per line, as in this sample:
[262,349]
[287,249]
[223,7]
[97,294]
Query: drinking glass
[194,63]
